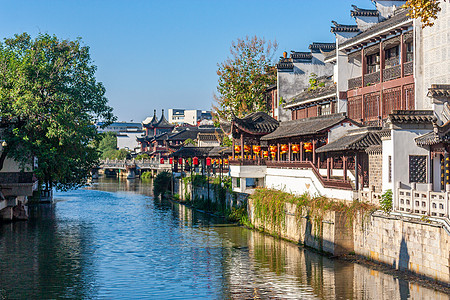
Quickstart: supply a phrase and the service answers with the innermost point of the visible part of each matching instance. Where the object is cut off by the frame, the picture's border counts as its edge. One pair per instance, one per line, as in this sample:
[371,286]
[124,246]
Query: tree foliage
[425,10]
[244,77]
[49,101]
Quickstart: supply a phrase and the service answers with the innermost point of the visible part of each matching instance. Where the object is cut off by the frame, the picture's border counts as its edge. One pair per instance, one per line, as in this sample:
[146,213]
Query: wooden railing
[392,73]
[372,78]
[354,83]
[246,162]
[408,68]
[327,183]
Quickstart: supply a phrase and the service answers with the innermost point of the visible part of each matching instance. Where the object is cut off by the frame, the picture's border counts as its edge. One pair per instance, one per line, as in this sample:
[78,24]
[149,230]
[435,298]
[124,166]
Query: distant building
[127,134]
[119,127]
[186,116]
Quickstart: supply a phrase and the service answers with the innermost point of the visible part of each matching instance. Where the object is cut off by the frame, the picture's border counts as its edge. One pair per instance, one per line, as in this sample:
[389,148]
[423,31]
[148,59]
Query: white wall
[300,181]
[127,140]
[388,150]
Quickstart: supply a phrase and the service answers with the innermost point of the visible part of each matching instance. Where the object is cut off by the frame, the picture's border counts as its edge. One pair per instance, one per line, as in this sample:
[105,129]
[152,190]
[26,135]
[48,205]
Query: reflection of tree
[46,259]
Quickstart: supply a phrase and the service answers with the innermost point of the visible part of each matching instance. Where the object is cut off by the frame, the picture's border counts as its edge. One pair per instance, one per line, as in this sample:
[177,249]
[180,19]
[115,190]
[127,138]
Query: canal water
[113,240]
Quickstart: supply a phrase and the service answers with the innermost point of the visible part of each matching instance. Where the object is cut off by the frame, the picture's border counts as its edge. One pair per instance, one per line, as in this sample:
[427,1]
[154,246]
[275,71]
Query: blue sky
[164,54]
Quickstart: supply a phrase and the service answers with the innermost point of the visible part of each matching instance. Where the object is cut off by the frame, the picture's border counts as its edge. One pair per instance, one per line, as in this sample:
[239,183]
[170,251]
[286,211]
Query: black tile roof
[285,64]
[256,123]
[440,134]
[330,55]
[399,17]
[152,122]
[303,127]
[343,28]
[322,46]
[439,90]
[328,89]
[360,12]
[301,55]
[412,117]
[352,142]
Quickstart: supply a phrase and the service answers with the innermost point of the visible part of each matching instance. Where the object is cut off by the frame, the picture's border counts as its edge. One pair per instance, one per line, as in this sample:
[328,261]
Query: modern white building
[188,116]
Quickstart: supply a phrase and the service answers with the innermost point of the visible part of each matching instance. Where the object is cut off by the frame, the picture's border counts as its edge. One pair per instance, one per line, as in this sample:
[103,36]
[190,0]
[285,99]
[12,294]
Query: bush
[146,175]
[142,156]
[161,184]
[386,201]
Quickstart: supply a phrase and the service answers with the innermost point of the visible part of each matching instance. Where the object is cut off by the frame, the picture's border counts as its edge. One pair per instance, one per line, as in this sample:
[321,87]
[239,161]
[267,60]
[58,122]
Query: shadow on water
[114,240]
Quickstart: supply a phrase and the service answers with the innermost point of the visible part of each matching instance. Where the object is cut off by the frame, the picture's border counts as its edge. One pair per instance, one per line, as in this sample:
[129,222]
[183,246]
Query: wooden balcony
[372,78]
[392,73]
[408,68]
[355,83]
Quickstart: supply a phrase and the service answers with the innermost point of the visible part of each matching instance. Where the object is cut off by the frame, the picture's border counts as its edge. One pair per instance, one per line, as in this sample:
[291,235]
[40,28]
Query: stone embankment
[408,245]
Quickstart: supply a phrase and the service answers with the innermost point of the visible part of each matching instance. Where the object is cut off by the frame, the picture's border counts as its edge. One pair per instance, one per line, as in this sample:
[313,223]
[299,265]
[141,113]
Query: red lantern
[273,149]
[295,148]
[161,160]
[237,148]
[308,147]
[256,149]
[195,159]
[266,154]
[187,160]
[208,161]
[171,160]
[225,161]
[180,161]
[247,148]
[284,148]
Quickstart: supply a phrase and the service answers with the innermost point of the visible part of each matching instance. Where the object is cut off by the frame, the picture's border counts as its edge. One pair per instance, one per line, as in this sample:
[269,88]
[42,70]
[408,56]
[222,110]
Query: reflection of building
[189,116]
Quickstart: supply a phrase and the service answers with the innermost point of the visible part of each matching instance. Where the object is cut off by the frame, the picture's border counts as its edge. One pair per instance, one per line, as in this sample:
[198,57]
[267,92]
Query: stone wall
[376,171]
[419,247]
[404,244]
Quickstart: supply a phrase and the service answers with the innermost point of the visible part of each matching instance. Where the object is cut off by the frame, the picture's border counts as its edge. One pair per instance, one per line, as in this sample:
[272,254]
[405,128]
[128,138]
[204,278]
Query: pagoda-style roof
[412,117]
[343,28]
[357,141]
[163,123]
[439,91]
[256,123]
[150,122]
[440,134]
[320,93]
[307,126]
[360,12]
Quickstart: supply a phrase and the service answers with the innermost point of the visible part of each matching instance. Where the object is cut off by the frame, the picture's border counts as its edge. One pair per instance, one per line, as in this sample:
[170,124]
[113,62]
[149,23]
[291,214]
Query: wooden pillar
[290,151]
[242,146]
[344,166]
[356,172]
[363,66]
[331,165]
[318,161]
[278,151]
[314,151]
[232,149]
[402,56]
[328,168]
[301,151]
[382,61]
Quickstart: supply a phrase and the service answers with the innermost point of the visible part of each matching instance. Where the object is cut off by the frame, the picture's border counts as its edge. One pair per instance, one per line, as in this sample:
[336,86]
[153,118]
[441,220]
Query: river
[113,240]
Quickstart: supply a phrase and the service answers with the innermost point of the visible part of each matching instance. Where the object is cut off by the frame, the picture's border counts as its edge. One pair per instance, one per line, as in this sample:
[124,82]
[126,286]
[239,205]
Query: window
[373,63]
[390,168]
[392,57]
[418,168]
[409,51]
[325,109]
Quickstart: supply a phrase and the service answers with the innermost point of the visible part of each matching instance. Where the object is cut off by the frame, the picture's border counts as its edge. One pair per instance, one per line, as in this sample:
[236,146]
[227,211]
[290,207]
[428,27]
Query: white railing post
[413,191]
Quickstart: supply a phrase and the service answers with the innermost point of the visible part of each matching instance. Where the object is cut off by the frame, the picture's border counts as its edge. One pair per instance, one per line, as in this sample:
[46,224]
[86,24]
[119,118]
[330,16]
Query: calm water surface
[115,241]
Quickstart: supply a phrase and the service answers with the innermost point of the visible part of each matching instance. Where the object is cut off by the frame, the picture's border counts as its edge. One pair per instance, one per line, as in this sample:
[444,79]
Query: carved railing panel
[372,78]
[392,73]
[408,68]
[354,83]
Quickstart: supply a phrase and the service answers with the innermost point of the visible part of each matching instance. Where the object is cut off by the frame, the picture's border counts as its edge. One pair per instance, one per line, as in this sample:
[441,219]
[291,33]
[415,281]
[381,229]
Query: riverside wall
[404,244]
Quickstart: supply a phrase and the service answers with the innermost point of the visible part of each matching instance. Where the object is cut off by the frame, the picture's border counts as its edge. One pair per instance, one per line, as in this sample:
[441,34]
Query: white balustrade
[426,203]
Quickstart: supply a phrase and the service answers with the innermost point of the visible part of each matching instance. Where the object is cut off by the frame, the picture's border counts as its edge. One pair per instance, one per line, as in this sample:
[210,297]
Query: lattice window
[418,168]
[392,100]
[390,168]
[301,113]
[354,108]
[371,106]
[312,111]
[408,92]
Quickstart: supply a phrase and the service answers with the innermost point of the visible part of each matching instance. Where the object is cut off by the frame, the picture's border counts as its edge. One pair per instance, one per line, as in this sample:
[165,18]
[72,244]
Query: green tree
[49,101]
[244,77]
[190,142]
[425,10]
[107,143]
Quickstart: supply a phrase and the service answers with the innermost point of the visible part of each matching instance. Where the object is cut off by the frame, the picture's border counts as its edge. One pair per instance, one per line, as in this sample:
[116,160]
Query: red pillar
[301,151]
[344,166]
[314,151]
[328,168]
[278,151]
[289,153]
[242,146]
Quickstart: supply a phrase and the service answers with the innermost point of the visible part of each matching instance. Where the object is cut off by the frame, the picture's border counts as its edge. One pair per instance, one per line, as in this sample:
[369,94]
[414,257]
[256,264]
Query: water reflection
[114,240]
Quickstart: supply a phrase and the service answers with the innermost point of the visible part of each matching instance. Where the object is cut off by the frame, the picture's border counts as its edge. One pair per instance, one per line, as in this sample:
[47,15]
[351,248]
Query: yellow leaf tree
[425,10]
